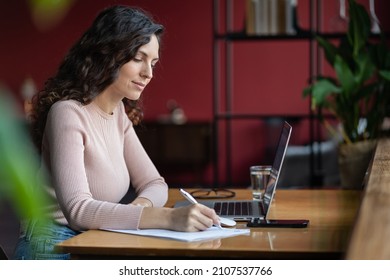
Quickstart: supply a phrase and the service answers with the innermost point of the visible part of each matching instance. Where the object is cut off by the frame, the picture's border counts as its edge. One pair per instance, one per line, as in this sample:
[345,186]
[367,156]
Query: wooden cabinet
[178,150]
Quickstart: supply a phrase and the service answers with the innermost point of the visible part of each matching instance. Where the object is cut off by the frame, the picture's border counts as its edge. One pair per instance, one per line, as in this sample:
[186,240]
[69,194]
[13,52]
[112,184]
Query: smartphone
[257,222]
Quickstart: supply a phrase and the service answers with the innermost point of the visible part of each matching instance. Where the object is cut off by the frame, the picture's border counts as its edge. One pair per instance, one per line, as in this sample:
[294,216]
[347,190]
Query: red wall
[184,73]
[268,76]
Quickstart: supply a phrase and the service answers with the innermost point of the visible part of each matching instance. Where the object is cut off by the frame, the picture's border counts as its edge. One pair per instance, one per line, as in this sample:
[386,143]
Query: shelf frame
[226,40]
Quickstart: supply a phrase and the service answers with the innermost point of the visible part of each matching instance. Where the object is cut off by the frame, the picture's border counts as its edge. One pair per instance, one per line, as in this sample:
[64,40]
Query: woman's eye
[137,59]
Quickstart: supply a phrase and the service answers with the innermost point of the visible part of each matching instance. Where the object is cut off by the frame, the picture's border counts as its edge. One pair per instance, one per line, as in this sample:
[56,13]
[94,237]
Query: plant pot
[353,162]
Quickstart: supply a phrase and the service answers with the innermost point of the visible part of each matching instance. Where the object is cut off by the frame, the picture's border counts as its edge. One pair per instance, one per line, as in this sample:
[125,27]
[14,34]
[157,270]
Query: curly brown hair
[93,63]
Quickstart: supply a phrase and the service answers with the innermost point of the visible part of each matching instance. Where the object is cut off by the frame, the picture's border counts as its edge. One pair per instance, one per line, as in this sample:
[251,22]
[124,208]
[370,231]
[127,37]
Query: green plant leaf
[48,13]
[344,75]
[321,90]
[385,74]
[365,68]
[19,182]
[361,87]
[329,49]
[359,26]
[307,91]
[380,55]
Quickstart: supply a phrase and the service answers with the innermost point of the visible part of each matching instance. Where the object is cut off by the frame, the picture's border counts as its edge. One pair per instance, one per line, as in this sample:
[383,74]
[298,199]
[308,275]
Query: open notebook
[208,234]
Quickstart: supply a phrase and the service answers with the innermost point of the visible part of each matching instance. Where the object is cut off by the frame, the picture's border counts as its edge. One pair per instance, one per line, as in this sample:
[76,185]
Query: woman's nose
[147,72]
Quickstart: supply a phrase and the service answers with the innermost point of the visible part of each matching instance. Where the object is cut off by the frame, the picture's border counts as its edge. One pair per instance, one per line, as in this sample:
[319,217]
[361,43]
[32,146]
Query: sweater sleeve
[65,138]
[145,177]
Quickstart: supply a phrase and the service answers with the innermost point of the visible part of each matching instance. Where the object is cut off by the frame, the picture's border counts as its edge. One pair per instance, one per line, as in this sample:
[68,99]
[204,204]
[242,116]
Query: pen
[191,199]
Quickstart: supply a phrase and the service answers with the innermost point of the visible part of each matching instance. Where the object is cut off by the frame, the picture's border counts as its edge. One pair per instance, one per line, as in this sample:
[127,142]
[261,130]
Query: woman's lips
[140,85]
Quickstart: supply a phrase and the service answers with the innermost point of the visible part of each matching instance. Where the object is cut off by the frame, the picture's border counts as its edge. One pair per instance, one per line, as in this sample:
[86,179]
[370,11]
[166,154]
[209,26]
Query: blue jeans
[37,241]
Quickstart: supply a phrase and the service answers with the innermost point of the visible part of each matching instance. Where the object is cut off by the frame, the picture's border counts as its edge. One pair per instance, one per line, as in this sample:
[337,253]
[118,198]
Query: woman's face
[137,73]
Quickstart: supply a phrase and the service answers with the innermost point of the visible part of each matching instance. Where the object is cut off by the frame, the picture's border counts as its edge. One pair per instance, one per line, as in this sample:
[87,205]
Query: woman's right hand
[195,217]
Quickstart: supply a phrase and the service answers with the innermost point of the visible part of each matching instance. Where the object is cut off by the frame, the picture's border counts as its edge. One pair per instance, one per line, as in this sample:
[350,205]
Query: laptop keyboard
[233,208]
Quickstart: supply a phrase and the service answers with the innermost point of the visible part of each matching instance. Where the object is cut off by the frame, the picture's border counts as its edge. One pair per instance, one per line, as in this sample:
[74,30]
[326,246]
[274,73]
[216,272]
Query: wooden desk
[331,214]
[372,230]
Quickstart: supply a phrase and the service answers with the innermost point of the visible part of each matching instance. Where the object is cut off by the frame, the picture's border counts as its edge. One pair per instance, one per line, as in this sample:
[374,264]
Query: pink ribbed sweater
[91,157]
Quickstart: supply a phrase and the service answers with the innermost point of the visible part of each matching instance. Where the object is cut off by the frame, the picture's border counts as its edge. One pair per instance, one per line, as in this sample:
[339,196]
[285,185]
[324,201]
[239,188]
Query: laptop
[245,210]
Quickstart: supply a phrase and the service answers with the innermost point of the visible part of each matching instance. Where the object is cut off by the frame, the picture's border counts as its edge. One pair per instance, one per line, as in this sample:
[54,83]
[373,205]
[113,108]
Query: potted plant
[358,95]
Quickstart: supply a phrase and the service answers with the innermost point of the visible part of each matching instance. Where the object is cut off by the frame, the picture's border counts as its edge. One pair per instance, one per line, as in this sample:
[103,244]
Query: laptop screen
[276,166]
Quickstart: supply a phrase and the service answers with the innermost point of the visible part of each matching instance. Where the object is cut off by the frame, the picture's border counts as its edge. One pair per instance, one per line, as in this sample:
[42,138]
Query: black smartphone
[257,222]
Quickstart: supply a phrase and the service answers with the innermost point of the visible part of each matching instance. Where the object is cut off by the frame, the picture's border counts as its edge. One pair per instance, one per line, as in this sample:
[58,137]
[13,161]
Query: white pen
[191,199]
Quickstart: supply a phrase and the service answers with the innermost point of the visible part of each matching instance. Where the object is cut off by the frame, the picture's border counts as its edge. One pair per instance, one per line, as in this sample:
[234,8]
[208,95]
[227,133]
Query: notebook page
[208,234]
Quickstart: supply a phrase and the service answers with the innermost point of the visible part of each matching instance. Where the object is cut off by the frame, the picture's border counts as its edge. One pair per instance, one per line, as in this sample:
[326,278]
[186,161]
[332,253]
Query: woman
[83,127]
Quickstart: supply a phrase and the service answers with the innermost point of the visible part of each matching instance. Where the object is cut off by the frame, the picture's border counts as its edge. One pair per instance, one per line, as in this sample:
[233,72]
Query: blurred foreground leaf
[48,13]
[19,163]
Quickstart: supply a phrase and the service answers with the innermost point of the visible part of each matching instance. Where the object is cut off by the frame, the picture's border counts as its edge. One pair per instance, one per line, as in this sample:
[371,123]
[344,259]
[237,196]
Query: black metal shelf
[242,36]
[222,116]
[229,115]
[230,37]
[301,35]
[227,39]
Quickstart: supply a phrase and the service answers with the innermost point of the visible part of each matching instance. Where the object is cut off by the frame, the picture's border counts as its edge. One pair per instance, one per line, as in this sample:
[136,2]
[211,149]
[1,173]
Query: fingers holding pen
[208,216]
[203,220]
[210,213]
[196,217]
